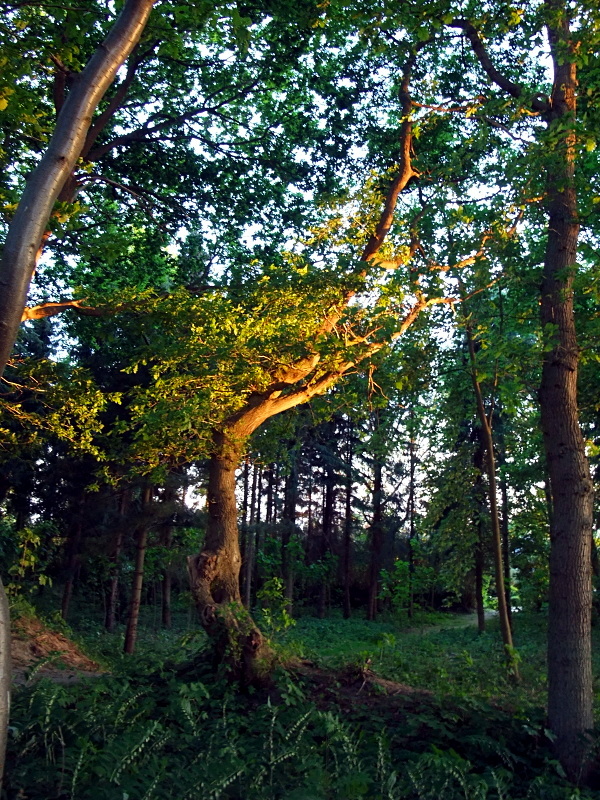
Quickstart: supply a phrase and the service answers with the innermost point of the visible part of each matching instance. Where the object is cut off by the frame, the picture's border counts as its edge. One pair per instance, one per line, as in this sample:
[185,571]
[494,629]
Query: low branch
[52,309]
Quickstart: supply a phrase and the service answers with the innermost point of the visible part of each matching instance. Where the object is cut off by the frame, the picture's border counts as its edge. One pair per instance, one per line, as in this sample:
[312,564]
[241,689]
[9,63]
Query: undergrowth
[172,729]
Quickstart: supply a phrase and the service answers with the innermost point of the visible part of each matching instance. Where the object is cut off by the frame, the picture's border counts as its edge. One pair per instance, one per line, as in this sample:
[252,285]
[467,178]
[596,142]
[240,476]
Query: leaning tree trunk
[487,443]
[214,574]
[30,221]
[570,602]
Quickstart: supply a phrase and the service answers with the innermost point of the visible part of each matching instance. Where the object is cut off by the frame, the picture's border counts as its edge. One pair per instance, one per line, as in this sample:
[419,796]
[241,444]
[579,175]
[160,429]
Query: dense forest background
[312,337]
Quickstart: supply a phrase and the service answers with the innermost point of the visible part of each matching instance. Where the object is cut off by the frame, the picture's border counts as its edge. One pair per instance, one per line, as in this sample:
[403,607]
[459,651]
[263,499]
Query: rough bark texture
[214,574]
[29,223]
[569,633]
[570,713]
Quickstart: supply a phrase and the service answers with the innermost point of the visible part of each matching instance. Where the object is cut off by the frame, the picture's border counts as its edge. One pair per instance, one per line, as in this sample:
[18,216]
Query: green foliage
[158,728]
[273,615]
[29,551]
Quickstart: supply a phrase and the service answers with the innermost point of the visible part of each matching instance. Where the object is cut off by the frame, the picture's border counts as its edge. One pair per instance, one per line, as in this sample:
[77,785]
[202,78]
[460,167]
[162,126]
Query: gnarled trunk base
[239,646]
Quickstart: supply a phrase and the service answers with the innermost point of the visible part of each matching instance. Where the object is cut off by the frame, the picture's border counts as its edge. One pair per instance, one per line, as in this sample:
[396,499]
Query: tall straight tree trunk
[569,622]
[326,534]
[170,496]
[479,492]
[376,537]
[501,442]
[288,528]
[214,573]
[504,520]
[257,529]
[271,483]
[115,570]
[570,713]
[488,445]
[411,515]
[138,573]
[73,557]
[5,675]
[347,548]
[250,554]
[245,544]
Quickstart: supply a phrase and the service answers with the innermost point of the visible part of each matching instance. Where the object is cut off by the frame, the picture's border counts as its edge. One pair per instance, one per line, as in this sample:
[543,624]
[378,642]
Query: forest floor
[390,710]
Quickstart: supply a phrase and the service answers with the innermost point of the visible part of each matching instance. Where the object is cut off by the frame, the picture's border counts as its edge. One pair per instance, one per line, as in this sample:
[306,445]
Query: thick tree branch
[513,89]
[406,170]
[52,309]
[116,101]
[31,217]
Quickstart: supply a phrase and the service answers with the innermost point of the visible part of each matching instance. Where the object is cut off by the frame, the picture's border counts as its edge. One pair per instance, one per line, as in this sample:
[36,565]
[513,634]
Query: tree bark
[376,537]
[245,543]
[5,675]
[288,527]
[214,574]
[479,492]
[115,570]
[570,713]
[170,497]
[73,559]
[411,515]
[488,445]
[138,574]
[347,548]
[29,223]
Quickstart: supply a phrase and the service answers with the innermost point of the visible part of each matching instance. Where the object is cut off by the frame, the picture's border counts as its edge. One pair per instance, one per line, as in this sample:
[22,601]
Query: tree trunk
[257,528]
[488,445]
[570,713]
[245,576]
[411,516]
[214,574]
[347,551]
[113,590]
[326,535]
[288,521]
[30,221]
[73,559]
[376,537]
[138,574]
[5,675]
[479,493]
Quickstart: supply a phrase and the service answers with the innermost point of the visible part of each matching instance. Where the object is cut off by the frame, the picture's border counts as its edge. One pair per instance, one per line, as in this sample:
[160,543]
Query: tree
[27,228]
